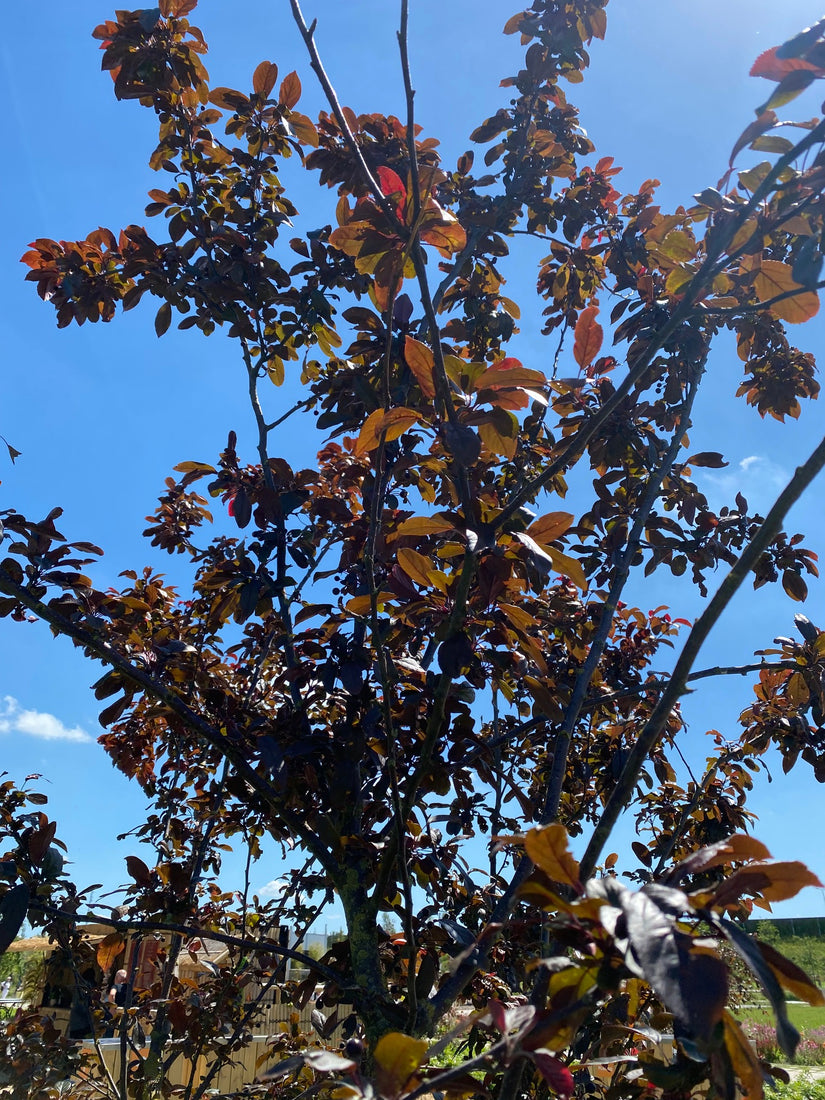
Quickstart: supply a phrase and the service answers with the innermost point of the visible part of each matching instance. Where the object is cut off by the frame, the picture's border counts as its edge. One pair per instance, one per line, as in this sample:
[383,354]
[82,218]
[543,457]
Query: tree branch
[713,264]
[760,307]
[647,739]
[270,947]
[599,642]
[105,652]
[308,35]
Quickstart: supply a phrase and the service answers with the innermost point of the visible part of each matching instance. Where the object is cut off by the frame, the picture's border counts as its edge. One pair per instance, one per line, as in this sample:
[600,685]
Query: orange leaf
[547,847]
[588,337]
[797,310]
[397,421]
[370,432]
[304,129]
[359,605]
[264,77]
[290,91]
[513,23]
[362,605]
[568,567]
[510,374]
[228,99]
[552,526]
[348,237]
[736,849]
[774,277]
[774,881]
[392,424]
[108,950]
[598,23]
[420,361]
[416,566]
[444,232]
[521,619]
[426,525]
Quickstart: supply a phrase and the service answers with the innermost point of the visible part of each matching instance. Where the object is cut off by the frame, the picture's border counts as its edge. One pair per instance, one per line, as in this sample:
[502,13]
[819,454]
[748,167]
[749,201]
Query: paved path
[816,1073]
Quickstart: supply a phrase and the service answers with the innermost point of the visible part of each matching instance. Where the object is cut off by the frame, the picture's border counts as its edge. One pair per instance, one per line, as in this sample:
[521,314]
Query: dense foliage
[413,643]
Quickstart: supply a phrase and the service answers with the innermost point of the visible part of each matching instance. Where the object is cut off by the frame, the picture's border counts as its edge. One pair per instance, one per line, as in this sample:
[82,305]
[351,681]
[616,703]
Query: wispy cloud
[273,889]
[37,723]
[757,478]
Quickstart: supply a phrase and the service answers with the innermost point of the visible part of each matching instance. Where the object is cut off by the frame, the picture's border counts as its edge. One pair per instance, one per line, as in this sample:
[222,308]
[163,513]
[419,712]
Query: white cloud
[37,723]
[751,460]
[757,478]
[273,889]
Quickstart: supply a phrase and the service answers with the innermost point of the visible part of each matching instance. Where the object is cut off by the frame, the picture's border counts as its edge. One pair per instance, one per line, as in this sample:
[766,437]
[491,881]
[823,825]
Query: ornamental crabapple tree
[424,639]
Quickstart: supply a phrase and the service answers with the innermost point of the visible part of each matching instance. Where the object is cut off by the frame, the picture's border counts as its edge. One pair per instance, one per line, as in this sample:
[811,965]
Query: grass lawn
[805,1017]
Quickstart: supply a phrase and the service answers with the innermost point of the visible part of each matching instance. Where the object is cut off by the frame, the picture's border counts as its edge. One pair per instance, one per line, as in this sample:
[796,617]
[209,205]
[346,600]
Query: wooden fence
[244,1066]
[231,1077]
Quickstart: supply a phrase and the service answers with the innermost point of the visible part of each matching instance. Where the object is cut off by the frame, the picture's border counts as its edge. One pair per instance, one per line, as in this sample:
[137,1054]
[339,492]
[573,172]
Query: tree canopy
[425,639]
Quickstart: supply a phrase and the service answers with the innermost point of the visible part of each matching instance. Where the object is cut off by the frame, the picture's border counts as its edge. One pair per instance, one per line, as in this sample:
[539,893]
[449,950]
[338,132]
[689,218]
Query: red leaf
[554,1072]
[391,185]
[774,68]
[588,337]
[508,364]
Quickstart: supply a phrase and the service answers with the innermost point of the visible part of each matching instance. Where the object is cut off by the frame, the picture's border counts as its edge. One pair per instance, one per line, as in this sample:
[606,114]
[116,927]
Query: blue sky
[103,413]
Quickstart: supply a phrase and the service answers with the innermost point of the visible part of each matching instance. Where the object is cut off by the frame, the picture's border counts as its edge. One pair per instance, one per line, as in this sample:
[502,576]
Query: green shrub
[802,1088]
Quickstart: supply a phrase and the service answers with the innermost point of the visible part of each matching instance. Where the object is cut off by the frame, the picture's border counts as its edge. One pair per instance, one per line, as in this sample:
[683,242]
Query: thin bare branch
[647,739]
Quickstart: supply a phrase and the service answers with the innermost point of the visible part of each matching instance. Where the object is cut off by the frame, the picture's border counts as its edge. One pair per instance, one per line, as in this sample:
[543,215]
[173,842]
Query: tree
[378,658]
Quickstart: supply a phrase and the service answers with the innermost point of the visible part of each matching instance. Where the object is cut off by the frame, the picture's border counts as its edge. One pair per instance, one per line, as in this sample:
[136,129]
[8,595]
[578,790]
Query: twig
[105,652]
[626,784]
[295,408]
[717,258]
[308,35]
[409,95]
[611,603]
[125,925]
[760,307]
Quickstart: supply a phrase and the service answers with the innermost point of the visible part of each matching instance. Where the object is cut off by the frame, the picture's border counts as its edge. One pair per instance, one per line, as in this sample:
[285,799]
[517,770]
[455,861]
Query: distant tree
[414,641]
[769,933]
[388,924]
[16,965]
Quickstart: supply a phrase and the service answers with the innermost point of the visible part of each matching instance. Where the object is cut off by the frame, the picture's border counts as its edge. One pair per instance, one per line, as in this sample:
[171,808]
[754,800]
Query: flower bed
[810,1052]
